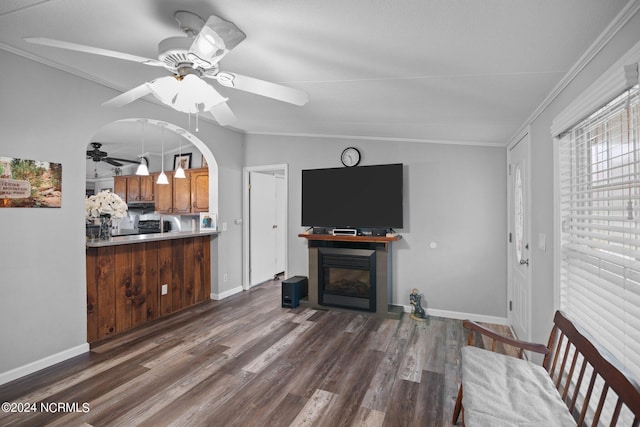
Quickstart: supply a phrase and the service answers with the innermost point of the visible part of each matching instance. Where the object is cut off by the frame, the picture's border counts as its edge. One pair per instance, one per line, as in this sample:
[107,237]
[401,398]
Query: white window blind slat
[599,188]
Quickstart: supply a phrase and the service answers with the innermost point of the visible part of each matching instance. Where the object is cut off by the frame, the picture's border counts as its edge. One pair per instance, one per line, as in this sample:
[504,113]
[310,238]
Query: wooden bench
[579,382]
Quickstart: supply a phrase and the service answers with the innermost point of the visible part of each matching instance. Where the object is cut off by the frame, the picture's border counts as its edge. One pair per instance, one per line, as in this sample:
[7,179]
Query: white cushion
[501,390]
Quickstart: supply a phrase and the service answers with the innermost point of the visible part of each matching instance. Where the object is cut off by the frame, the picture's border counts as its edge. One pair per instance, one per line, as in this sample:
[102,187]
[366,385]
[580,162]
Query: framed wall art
[30,183]
[183,160]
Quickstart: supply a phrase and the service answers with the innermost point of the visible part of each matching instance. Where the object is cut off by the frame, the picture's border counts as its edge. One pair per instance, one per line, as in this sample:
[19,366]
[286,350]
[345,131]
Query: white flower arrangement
[105,203]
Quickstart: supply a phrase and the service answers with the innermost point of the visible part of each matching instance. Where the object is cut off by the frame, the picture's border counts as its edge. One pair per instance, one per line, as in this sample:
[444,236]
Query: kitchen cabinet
[124,282]
[184,195]
[199,190]
[134,188]
[120,186]
[140,188]
[164,195]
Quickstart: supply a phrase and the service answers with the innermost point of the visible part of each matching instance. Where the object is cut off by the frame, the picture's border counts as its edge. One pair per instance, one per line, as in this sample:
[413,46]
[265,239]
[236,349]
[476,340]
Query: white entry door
[519,304]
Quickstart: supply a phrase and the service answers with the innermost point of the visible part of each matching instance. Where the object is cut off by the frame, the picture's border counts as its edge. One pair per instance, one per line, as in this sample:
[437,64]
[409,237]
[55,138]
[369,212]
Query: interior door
[280,224]
[263,226]
[519,237]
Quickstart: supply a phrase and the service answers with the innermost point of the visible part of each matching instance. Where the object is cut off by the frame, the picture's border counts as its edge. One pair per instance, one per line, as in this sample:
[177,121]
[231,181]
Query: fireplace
[347,278]
[351,273]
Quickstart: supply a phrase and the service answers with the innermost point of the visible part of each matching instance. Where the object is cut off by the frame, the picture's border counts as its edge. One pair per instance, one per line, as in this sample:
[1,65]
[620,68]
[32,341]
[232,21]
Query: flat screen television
[357,197]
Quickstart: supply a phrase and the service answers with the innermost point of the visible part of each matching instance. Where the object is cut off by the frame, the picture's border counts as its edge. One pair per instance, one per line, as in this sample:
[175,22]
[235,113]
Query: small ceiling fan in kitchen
[98,155]
[191,59]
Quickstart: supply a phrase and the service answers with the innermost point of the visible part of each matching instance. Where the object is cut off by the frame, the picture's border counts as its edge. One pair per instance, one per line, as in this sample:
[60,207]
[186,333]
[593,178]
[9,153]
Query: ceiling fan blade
[214,41]
[94,50]
[223,114]
[262,87]
[117,159]
[111,161]
[128,96]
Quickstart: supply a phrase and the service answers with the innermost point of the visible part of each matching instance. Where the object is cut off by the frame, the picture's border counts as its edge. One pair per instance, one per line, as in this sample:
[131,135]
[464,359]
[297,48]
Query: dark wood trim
[363,239]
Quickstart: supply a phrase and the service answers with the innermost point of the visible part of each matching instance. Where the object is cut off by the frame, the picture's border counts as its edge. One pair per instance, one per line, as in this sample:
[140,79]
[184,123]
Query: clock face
[350,157]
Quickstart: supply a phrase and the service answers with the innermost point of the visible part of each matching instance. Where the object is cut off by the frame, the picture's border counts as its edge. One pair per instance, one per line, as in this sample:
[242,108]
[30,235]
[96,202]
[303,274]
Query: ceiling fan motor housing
[173,52]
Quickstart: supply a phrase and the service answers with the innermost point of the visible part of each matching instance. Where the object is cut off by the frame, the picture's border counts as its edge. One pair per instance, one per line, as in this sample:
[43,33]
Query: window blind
[599,191]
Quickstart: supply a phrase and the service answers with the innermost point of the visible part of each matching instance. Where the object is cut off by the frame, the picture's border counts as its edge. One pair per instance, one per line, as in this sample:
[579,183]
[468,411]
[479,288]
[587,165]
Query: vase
[105,227]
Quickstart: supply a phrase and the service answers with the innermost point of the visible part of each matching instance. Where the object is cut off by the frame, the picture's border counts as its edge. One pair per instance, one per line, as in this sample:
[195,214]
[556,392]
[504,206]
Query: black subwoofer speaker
[293,290]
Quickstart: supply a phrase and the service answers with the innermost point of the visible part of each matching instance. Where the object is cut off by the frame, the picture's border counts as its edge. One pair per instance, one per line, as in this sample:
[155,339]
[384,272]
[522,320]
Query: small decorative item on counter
[105,206]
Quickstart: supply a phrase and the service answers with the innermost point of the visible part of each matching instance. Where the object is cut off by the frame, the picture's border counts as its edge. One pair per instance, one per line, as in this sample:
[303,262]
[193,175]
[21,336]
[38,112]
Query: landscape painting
[30,183]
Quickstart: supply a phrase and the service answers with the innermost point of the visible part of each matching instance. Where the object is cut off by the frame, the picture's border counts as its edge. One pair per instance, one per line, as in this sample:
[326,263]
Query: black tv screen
[358,197]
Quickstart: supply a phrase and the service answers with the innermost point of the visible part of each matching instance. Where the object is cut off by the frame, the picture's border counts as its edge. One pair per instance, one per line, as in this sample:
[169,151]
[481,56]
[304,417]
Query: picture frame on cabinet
[207,221]
[204,163]
[183,160]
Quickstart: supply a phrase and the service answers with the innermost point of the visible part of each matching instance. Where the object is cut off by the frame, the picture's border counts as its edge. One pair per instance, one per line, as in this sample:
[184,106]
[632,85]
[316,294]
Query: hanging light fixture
[162,178]
[180,171]
[142,170]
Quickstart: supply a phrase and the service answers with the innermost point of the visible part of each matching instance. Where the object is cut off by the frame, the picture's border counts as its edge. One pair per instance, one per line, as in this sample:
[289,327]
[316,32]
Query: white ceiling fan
[190,59]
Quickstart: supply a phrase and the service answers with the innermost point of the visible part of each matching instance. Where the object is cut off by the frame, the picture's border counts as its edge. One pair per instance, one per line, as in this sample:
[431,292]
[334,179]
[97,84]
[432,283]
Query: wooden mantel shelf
[368,239]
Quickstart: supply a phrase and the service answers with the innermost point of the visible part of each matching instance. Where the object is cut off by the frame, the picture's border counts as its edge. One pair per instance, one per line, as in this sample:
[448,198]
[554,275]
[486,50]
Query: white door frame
[525,134]
[246,241]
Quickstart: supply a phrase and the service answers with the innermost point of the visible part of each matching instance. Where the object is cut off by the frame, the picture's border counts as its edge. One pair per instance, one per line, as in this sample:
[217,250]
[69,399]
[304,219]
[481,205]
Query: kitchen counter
[141,238]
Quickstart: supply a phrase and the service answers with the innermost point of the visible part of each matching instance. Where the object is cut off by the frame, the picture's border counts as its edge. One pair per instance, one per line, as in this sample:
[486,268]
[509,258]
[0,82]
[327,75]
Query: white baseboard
[462,316]
[226,294]
[32,367]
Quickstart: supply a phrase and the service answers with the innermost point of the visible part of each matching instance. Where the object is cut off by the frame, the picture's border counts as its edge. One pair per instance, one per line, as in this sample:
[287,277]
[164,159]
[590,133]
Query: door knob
[524,262]
[274,226]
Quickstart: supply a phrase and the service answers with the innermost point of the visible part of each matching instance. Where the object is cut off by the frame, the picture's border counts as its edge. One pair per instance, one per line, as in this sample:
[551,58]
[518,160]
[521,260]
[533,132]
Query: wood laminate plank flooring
[246,361]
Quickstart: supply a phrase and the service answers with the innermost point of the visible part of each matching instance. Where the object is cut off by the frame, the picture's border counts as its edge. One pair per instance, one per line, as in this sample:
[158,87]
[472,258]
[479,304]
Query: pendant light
[180,171]
[162,178]
[142,168]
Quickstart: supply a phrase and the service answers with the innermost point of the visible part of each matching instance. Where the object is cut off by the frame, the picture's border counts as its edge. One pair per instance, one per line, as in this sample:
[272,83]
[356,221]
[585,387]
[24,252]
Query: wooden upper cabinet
[133,189]
[182,195]
[164,196]
[140,188]
[120,186]
[199,191]
[147,186]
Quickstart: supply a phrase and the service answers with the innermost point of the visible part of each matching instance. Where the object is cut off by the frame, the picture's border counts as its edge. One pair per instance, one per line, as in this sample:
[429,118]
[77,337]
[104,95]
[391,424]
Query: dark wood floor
[246,361]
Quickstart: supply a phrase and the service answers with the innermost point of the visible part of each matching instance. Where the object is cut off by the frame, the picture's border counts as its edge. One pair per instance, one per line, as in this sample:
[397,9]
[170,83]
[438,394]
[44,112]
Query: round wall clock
[350,157]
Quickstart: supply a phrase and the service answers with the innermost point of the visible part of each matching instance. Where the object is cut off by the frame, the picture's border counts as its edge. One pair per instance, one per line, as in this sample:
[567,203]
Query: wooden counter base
[124,282]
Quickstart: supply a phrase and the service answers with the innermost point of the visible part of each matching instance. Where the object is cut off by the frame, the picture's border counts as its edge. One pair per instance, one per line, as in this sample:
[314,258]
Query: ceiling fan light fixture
[188,95]
[214,41]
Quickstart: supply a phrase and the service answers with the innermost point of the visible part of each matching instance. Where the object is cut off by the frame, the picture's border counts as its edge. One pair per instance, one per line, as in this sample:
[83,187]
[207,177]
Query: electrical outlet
[224,226]
[225,277]
[165,289]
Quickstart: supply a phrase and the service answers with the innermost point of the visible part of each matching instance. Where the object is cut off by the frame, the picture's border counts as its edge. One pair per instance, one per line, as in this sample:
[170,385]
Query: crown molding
[382,139]
[625,15]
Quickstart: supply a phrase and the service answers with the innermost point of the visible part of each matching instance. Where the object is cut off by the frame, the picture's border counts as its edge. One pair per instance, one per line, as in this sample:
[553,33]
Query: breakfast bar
[134,279]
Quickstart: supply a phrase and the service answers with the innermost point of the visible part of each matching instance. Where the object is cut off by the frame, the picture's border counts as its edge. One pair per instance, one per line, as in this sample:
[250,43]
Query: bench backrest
[598,392]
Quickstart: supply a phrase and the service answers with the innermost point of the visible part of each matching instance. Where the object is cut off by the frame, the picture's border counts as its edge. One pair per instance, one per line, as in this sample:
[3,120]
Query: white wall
[542,263]
[455,196]
[50,115]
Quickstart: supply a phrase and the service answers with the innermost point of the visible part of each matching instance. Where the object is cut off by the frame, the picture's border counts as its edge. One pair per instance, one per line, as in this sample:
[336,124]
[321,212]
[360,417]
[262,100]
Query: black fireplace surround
[347,278]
